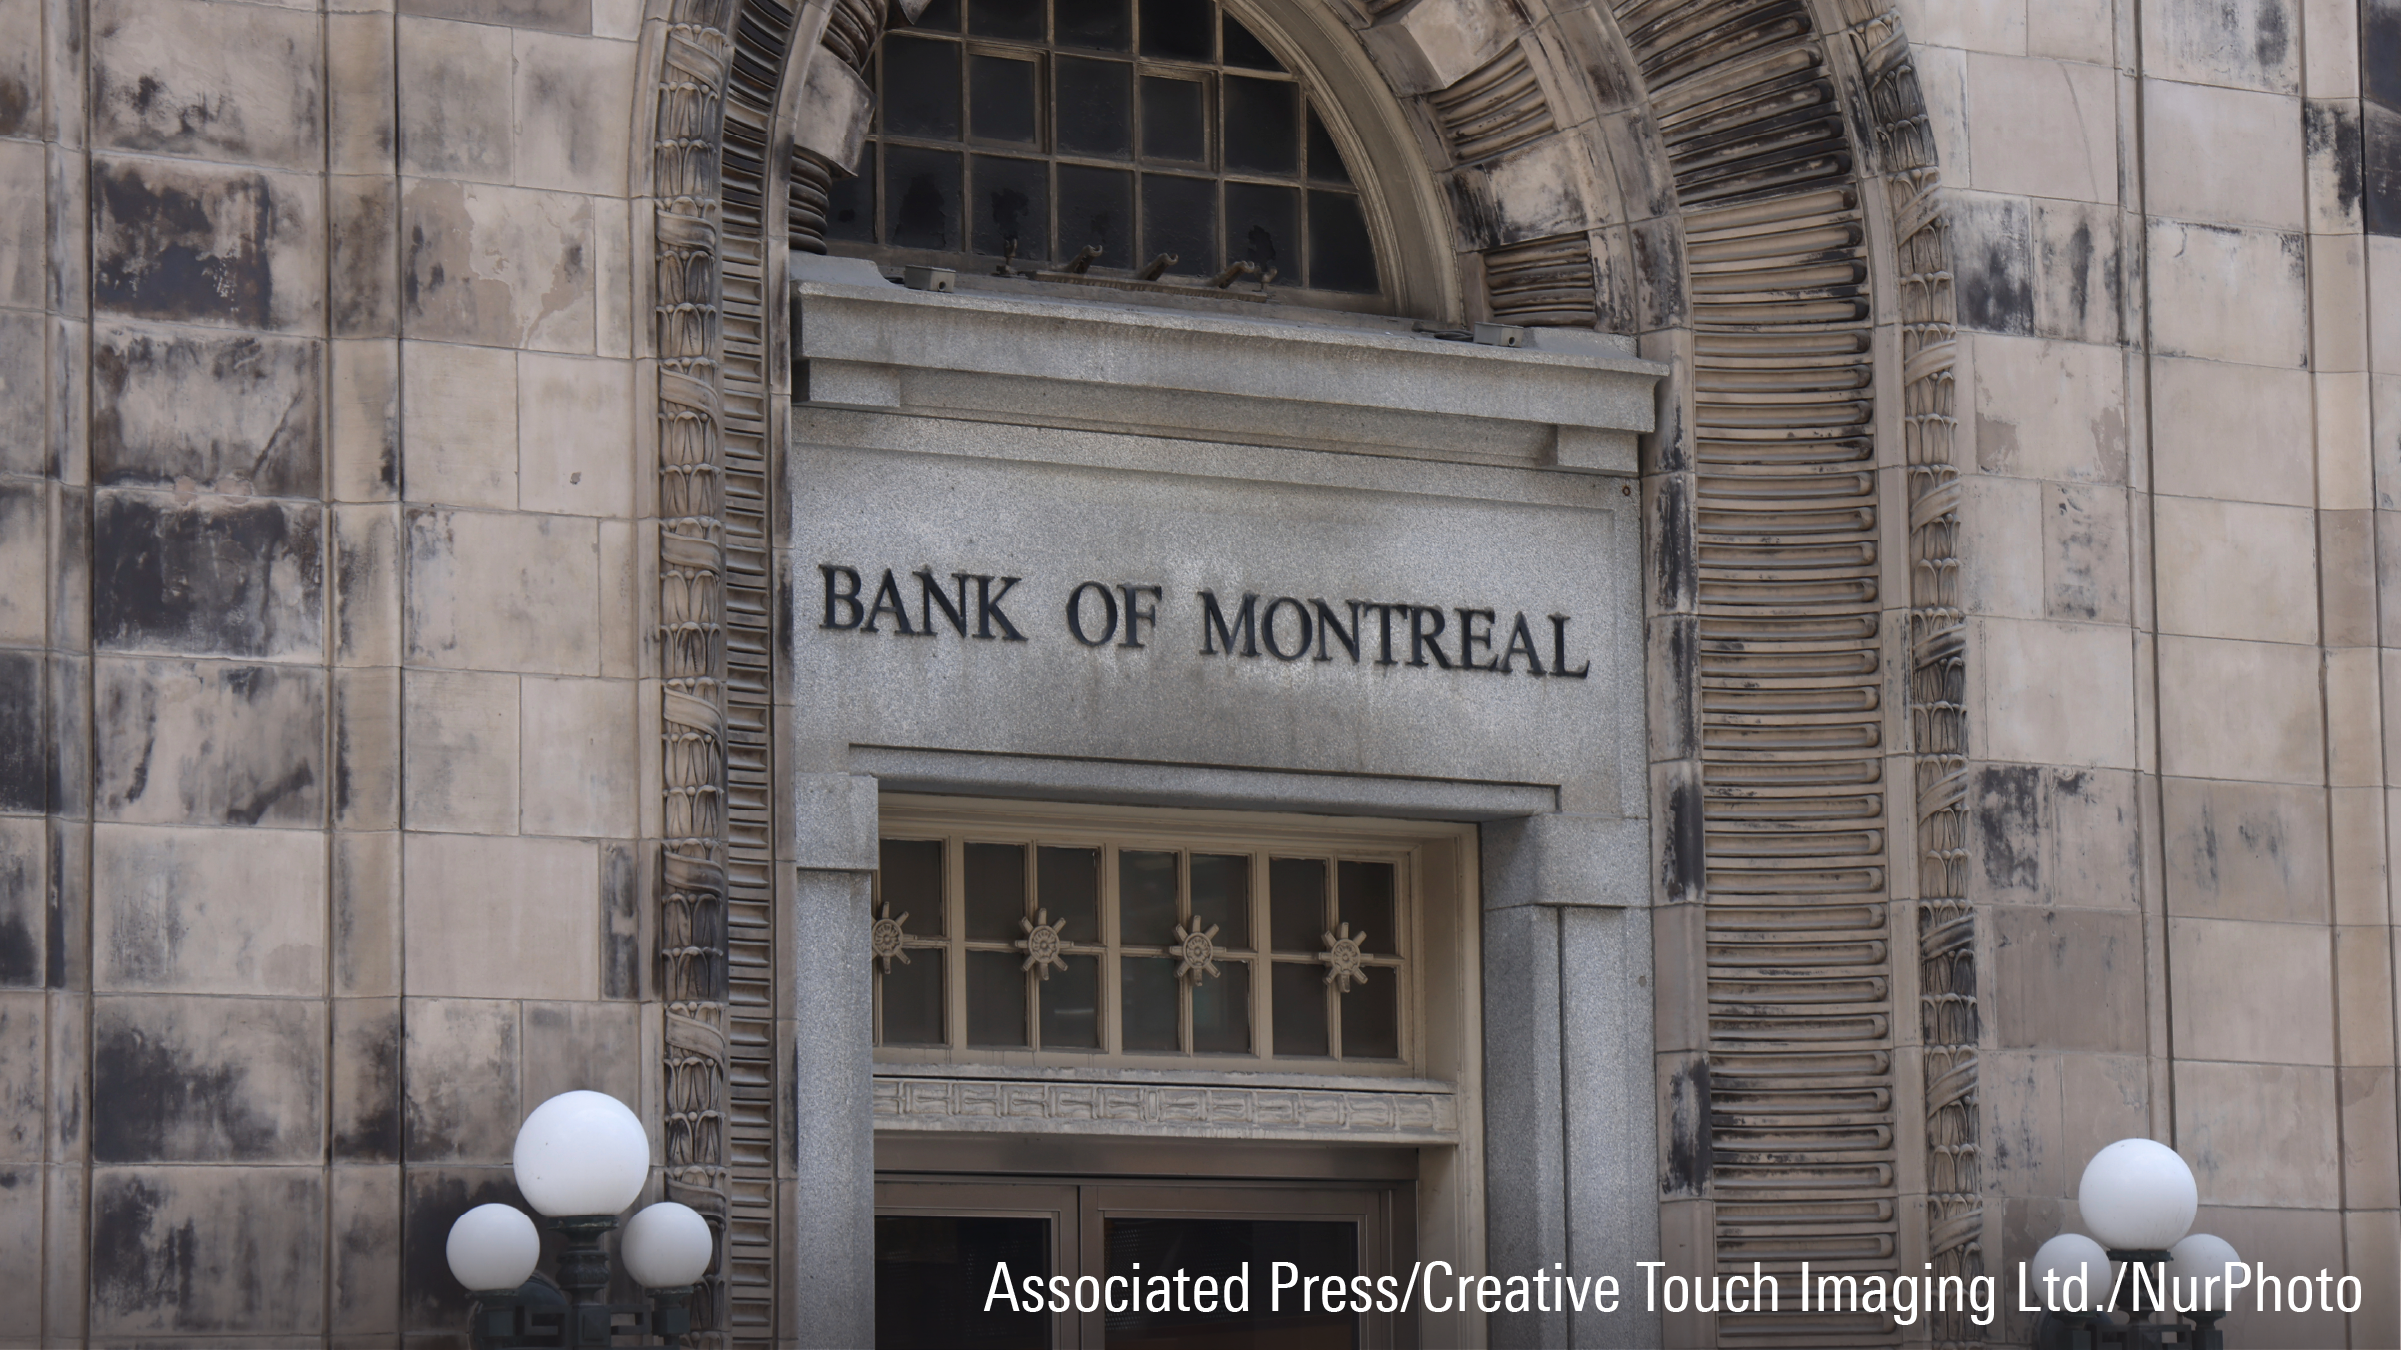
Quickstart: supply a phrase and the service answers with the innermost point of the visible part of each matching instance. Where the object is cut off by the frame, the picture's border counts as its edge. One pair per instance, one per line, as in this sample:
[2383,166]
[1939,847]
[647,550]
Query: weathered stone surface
[2097,951]
[430,1296]
[200,243]
[238,413]
[24,561]
[2229,294]
[209,743]
[2330,130]
[2225,431]
[2244,850]
[20,67]
[2056,693]
[363,244]
[2050,410]
[2236,570]
[459,1076]
[216,911]
[573,104]
[593,1047]
[461,730]
[2233,709]
[459,424]
[364,393]
[575,435]
[366,914]
[360,96]
[2059,137]
[367,1046]
[2086,553]
[367,584]
[2225,155]
[23,276]
[366,1252]
[578,758]
[213,1080]
[2256,992]
[207,1250]
[23,412]
[367,749]
[463,941]
[546,620]
[2242,44]
[2080,272]
[2045,836]
[24,1090]
[558,16]
[24,900]
[506,267]
[236,83]
[2259,1134]
[224,576]
[454,99]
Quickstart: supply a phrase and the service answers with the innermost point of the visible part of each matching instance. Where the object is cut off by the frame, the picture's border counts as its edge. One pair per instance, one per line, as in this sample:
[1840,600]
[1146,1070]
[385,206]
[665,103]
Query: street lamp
[2139,1199]
[581,1158]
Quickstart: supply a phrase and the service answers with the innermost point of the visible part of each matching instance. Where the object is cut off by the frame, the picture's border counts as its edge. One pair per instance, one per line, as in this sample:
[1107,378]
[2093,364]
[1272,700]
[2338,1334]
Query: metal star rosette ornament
[889,939]
[1343,964]
[1196,948]
[1041,943]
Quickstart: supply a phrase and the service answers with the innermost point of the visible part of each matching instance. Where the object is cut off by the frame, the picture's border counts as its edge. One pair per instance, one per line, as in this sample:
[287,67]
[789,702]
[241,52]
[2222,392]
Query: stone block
[2259,1134]
[367,582]
[2347,577]
[24,901]
[240,84]
[545,620]
[2228,293]
[2346,469]
[2042,128]
[2022,1148]
[557,16]
[366,1080]
[1992,259]
[2228,156]
[21,1205]
[2371,1246]
[2037,951]
[2086,571]
[2330,64]
[211,244]
[208,1080]
[2244,850]
[2071,30]
[2236,570]
[365,1252]
[2297,1241]
[188,1251]
[621,325]
[364,422]
[620,19]
[208,743]
[2233,432]
[459,424]
[2079,272]
[2254,992]
[2241,44]
[2370,1139]
[579,758]
[2330,131]
[454,99]
[2048,409]
[459,735]
[2233,709]
[625,607]
[2055,693]
[502,918]
[2102,1099]
[367,748]
[24,561]
[2338,303]
[1531,193]
[34,762]
[360,98]
[215,576]
[2049,836]
[1977,25]
[23,1084]
[430,1297]
[2384,321]
[584,1046]
[23,236]
[366,914]
[363,247]
[236,412]
[575,435]
[459,1067]
[20,67]
[214,911]
[2355,847]
[2363,994]
[2384,446]
[24,410]
[574,98]
[501,266]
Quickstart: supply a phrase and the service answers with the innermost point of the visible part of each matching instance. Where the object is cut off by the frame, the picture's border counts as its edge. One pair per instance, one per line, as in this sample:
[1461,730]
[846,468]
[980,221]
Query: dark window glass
[995,998]
[1018,20]
[1371,1018]
[1175,124]
[1364,901]
[923,189]
[1296,903]
[933,1273]
[1325,162]
[995,876]
[921,87]
[1217,1248]
[1177,30]
[850,206]
[1263,119]
[939,16]
[913,998]
[1340,257]
[1149,1000]
[1179,216]
[1096,206]
[1221,1010]
[1095,107]
[911,877]
[1070,1005]
[1263,225]
[1300,1009]
[1221,895]
[1067,886]
[1000,100]
[1246,51]
[1146,912]
[1012,201]
[1100,25]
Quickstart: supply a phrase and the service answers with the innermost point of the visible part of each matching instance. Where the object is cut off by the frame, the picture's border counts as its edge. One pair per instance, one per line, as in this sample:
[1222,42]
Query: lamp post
[2139,1199]
[581,1158]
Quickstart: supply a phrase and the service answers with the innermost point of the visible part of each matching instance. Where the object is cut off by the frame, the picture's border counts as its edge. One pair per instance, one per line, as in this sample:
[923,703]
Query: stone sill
[1012,1106]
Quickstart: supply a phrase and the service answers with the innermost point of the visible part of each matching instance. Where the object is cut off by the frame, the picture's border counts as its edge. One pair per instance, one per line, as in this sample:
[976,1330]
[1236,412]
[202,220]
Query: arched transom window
[1142,137]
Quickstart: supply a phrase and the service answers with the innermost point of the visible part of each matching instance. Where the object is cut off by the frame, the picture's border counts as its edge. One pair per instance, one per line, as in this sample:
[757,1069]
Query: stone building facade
[1966,435]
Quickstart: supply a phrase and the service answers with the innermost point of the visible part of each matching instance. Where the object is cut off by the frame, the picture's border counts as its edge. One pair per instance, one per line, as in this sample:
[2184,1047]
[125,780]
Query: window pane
[1366,905]
[1095,108]
[1070,1005]
[1296,900]
[1146,915]
[1300,1009]
[1148,992]
[1096,206]
[995,998]
[923,189]
[1262,125]
[1179,216]
[1177,30]
[1101,25]
[1067,884]
[933,1273]
[940,15]
[921,87]
[1020,20]
[1325,162]
[1012,198]
[1242,49]
[1221,1010]
[995,892]
[1221,895]
[1263,225]
[1340,258]
[1371,1019]
[1000,99]
[1175,124]
[910,881]
[850,205]
[913,998]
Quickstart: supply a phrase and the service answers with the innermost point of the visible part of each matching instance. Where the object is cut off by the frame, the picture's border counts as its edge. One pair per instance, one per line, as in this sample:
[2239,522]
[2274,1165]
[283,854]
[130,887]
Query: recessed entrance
[1162,1264]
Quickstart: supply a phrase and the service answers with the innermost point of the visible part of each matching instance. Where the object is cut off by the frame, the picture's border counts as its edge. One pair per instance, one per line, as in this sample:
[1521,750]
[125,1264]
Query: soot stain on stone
[203,576]
[2273,41]
[372,1134]
[431,1297]
[1995,269]
[2380,167]
[161,249]
[1676,565]
[16,102]
[1685,865]
[23,764]
[2009,817]
[20,922]
[135,1268]
[1690,1153]
[145,1092]
[621,900]
[2331,131]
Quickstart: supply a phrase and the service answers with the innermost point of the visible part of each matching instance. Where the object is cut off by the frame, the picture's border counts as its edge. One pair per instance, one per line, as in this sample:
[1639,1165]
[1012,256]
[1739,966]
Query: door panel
[937,1247]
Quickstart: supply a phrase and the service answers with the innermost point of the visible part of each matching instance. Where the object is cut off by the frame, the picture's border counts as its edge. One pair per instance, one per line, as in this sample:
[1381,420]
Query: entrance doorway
[1159,1264]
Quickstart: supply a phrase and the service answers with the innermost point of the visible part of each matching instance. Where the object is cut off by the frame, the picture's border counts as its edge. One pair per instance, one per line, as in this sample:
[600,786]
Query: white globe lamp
[2066,1257]
[2196,1261]
[2137,1195]
[493,1248]
[667,1246]
[581,1153]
